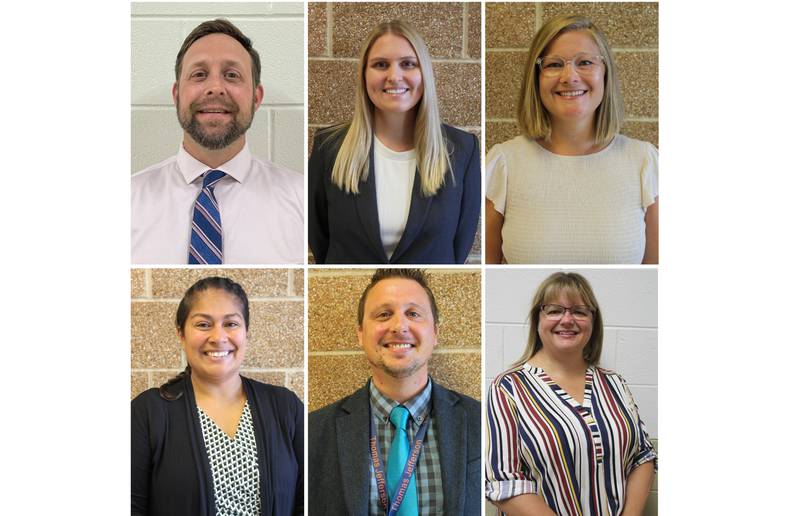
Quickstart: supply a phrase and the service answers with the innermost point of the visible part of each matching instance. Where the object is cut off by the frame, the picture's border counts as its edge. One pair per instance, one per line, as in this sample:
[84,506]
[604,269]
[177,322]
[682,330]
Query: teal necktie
[398,455]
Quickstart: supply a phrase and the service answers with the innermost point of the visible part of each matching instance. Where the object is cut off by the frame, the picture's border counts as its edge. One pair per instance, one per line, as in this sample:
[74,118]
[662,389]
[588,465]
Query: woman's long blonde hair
[533,118]
[433,160]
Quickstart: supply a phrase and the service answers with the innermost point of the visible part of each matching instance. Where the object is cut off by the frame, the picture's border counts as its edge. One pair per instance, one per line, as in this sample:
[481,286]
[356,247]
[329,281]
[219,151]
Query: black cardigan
[170,473]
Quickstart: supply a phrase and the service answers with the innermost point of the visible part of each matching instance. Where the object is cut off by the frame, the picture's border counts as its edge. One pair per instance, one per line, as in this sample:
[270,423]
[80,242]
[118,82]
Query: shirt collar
[419,406]
[237,167]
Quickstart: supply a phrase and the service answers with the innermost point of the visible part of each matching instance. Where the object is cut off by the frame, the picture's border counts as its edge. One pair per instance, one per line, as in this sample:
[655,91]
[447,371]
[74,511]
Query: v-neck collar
[245,408]
[564,395]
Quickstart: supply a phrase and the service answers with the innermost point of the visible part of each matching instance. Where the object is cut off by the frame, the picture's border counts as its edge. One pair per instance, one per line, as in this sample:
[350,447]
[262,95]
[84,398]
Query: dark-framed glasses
[584,64]
[555,312]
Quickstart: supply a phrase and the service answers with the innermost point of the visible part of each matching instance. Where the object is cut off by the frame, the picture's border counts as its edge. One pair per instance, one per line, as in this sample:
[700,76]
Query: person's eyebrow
[203,63]
[226,316]
[381,58]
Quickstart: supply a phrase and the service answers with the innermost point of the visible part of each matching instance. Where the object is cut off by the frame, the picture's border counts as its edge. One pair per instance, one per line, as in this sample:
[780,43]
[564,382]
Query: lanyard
[408,470]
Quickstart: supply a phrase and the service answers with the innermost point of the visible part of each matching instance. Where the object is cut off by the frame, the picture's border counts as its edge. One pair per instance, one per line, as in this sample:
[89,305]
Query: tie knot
[212,177]
[399,417]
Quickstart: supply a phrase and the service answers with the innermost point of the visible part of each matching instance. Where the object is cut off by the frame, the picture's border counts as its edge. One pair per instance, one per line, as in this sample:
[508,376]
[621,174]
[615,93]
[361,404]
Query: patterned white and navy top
[234,465]
[578,456]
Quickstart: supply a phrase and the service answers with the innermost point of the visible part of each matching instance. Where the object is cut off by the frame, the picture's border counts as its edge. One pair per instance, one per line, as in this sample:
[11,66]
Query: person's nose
[399,324]
[567,319]
[215,85]
[569,73]
[395,73]
[218,333]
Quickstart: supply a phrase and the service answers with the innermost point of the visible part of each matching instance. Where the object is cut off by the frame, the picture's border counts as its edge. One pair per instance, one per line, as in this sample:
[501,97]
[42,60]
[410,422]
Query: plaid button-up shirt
[428,473]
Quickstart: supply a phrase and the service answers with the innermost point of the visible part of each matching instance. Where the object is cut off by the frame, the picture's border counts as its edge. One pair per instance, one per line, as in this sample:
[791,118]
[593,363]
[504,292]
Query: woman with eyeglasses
[565,436]
[394,184]
[211,441]
[570,188]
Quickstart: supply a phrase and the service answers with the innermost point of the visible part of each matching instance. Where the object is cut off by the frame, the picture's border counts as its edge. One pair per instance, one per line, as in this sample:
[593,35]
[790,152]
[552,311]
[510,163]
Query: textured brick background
[452,32]
[632,31]
[275,337]
[157,32]
[336,363]
[629,300]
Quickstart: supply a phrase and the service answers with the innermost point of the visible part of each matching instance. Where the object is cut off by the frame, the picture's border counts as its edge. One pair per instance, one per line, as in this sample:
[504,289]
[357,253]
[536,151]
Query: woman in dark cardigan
[211,441]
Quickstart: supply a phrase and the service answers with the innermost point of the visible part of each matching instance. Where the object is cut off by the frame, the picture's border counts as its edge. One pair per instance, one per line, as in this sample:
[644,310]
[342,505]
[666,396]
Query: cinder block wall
[336,363]
[629,301]
[452,32]
[275,337]
[157,32]
[632,31]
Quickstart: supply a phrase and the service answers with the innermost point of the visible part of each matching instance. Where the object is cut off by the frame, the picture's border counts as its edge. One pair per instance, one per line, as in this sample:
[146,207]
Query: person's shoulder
[632,146]
[281,395]
[279,172]
[338,406]
[515,145]
[508,375]
[608,374]
[330,137]
[467,402]
[457,135]
[153,171]
[148,402]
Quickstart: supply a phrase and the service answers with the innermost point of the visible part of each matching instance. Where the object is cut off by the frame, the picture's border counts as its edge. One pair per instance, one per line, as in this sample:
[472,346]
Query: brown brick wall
[336,362]
[275,337]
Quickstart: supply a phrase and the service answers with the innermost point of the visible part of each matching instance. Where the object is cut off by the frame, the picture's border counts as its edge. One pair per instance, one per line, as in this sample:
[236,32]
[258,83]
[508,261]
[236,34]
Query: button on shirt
[260,203]
[430,495]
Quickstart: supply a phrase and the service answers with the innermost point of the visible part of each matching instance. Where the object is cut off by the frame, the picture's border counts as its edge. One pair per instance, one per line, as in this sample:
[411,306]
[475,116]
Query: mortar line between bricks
[464,30]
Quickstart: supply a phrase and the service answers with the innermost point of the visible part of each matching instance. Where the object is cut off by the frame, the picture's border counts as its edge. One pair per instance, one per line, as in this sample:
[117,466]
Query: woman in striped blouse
[564,435]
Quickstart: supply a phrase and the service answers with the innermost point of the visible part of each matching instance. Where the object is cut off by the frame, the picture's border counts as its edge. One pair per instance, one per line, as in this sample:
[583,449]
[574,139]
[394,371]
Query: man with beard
[403,443]
[214,202]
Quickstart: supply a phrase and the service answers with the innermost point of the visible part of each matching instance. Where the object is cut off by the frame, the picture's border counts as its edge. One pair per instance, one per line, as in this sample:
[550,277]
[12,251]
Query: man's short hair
[417,275]
[220,26]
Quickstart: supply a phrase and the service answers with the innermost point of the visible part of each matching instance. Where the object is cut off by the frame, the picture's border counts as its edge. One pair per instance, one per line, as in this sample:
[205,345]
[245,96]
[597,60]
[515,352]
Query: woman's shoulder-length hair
[575,287]
[533,118]
[352,160]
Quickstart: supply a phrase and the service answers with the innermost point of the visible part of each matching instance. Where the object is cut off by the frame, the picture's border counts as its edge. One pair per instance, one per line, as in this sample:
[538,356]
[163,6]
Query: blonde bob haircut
[533,118]
[433,160]
[578,290]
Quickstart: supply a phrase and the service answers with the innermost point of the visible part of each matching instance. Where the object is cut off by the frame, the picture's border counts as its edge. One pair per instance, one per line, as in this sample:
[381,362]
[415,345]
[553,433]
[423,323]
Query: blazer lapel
[367,208]
[451,430]
[417,213]
[352,439]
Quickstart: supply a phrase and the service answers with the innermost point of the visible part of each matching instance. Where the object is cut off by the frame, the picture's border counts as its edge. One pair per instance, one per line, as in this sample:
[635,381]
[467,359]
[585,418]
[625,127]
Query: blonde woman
[394,184]
[565,436]
[570,188]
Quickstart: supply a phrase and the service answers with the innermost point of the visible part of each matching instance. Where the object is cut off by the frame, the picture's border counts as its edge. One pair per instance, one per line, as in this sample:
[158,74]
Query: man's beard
[218,139]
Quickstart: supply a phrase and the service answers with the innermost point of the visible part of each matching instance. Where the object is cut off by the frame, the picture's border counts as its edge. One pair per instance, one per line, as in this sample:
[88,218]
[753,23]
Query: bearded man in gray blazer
[402,444]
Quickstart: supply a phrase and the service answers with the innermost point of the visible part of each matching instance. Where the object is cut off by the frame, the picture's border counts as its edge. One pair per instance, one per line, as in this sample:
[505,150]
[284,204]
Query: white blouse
[394,183]
[572,209]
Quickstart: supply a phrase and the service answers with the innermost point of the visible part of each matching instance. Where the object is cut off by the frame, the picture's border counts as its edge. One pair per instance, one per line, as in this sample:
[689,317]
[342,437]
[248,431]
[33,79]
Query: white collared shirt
[260,203]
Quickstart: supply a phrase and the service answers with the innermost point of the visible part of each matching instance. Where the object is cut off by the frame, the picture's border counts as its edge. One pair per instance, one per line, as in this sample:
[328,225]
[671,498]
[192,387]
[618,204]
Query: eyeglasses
[556,312]
[584,64]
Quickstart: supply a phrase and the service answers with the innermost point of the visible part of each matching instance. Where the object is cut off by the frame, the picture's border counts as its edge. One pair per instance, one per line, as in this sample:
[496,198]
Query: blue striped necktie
[205,245]
[398,455]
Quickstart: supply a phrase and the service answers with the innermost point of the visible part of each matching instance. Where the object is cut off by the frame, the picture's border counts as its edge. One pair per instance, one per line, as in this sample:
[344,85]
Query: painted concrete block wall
[336,363]
[157,32]
[275,337]
[452,31]
[632,31]
[628,299]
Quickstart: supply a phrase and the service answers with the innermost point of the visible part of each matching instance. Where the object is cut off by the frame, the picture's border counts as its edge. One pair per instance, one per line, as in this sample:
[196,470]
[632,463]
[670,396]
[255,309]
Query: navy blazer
[338,454]
[344,228]
[170,473]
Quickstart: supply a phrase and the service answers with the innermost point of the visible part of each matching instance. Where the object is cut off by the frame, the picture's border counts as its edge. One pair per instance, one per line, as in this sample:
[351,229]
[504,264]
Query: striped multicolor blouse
[577,456]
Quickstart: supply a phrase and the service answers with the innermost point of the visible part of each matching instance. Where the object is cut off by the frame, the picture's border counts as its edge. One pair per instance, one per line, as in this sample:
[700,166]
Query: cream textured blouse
[572,209]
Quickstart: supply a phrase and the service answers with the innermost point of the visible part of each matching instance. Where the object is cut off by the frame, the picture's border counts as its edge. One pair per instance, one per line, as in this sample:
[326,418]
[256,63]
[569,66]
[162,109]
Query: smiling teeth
[399,90]
[218,353]
[399,346]
[571,93]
